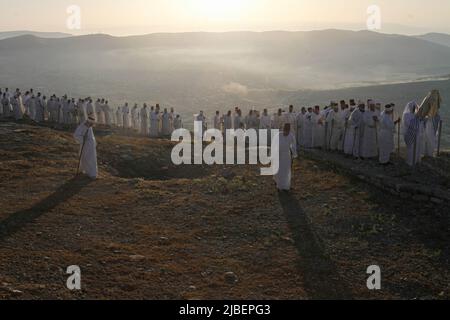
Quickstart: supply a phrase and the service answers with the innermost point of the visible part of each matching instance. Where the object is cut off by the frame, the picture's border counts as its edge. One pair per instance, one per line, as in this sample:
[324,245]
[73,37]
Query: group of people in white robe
[360,130]
[146,121]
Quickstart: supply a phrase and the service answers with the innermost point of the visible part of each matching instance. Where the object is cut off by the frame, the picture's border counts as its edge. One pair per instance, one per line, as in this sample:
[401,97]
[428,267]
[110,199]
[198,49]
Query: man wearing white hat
[88,145]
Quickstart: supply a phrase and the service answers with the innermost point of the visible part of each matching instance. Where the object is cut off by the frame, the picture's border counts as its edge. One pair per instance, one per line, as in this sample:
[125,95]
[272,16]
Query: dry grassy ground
[145,231]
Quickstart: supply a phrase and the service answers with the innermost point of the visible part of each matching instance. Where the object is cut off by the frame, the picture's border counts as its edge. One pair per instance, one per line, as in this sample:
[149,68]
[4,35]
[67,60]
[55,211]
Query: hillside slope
[178,236]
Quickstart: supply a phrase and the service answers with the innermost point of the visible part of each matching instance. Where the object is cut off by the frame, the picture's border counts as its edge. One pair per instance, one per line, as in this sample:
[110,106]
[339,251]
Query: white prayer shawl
[88,153]
[386,137]
[144,122]
[166,127]
[369,144]
[154,124]
[407,121]
[318,130]
[307,130]
[343,117]
[288,150]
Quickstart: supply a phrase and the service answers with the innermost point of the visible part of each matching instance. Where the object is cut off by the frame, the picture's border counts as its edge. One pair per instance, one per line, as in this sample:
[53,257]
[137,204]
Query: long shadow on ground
[321,279]
[20,219]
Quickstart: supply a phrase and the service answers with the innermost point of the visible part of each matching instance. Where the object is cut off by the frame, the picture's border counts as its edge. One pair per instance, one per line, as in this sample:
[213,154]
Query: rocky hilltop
[147,229]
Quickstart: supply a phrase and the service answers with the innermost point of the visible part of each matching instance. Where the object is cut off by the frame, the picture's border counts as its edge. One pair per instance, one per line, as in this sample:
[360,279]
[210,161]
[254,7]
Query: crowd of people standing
[362,130]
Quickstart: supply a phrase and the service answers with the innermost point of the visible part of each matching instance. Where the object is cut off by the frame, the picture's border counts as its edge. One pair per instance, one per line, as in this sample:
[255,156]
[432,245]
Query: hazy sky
[123,17]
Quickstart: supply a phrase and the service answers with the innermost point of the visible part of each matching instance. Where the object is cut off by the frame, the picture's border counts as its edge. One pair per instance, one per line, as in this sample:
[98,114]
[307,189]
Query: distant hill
[12,34]
[439,38]
[212,70]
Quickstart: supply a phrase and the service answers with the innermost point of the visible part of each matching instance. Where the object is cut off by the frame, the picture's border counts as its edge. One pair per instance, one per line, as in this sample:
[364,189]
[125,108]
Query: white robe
[88,165]
[154,124]
[369,144]
[135,119]
[334,120]
[318,130]
[165,122]
[6,107]
[288,150]
[349,133]
[386,138]
[126,120]
[18,108]
[144,122]
[217,122]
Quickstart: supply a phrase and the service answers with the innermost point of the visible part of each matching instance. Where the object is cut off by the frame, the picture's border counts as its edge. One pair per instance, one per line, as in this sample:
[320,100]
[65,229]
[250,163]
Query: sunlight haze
[121,17]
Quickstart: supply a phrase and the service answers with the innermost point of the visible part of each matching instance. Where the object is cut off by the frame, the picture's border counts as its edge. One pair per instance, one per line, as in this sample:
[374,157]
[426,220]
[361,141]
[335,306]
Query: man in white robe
[287,152]
[165,122]
[217,121]
[386,135]
[334,121]
[349,130]
[370,136]
[237,120]
[413,130]
[291,118]
[135,123]
[227,121]
[145,121]
[278,120]
[108,114]
[177,122]
[357,129]
[126,120]
[318,129]
[18,108]
[6,106]
[154,123]
[84,134]
[119,117]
